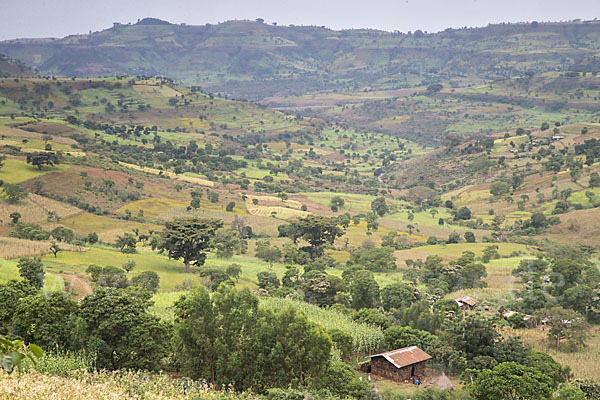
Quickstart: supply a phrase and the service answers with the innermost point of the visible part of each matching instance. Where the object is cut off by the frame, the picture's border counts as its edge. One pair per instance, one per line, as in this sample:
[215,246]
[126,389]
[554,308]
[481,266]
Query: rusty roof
[404,356]
[468,300]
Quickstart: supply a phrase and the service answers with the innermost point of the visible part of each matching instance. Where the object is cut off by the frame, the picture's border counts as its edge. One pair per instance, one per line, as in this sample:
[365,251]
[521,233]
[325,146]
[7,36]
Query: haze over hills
[254,60]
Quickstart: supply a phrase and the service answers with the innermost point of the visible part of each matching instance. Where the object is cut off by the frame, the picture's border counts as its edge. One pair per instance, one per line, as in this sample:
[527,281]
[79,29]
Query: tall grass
[366,339]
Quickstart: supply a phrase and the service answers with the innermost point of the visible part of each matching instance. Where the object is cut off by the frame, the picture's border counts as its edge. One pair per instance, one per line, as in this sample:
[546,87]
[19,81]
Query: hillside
[248,59]
[13,68]
[154,226]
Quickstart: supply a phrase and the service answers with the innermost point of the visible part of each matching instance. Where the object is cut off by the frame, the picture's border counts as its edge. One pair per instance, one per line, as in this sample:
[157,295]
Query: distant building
[557,137]
[467,303]
[405,364]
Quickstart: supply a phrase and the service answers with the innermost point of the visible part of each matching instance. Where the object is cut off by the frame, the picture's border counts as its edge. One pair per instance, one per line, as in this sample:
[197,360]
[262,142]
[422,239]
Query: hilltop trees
[188,239]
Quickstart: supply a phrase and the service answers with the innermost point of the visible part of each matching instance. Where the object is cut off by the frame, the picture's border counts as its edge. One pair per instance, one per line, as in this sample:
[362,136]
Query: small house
[467,303]
[405,364]
[557,137]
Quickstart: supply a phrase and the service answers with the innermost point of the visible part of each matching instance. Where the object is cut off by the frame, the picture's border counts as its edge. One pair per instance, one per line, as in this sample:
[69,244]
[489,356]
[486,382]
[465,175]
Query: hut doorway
[412,371]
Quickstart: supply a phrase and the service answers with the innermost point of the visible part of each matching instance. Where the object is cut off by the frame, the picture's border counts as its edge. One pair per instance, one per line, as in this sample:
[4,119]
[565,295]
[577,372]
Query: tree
[317,231]
[32,270]
[215,277]
[14,193]
[11,294]
[215,335]
[469,237]
[566,392]
[446,307]
[463,213]
[342,341]
[565,324]
[336,202]
[92,238]
[343,382]
[509,381]
[499,188]
[129,266]
[45,319]
[234,271]
[372,223]
[268,281]
[41,159]
[372,317]
[397,295]
[15,216]
[195,203]
[577,298]
[397,337]
[189,239]
[267,253]
[375,259]
[2,160]
[126,243]
[227,242]
[379,206]
[112,277]
[364,290]
[594,180]
[566,273]
[55,248]
[230,206]
[115,325]
[473,335]
[148,280]
[453,237]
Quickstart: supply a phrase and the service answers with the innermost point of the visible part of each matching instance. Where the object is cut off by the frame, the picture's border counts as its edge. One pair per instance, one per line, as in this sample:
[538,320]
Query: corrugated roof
[404,356]
[468,300]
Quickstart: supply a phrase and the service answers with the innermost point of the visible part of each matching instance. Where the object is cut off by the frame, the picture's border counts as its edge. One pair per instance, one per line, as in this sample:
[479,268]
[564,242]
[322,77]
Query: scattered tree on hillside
[41,159]
[15,216]
[565,324]
[188,239]
[126,243]
[129,266]
[55,248]
[14,193]
[379,206]
[316,230]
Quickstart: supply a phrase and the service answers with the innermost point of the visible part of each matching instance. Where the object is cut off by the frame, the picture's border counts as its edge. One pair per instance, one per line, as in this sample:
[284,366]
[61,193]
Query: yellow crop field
[154,171]
[280,212]
[34,209]
[153,207]
[15,248]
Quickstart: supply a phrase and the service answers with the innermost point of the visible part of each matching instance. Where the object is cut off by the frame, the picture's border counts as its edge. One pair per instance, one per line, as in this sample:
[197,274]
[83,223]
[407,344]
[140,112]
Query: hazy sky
[58,18]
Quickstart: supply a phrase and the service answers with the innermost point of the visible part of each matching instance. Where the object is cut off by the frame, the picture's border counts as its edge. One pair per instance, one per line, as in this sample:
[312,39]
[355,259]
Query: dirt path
[80,285]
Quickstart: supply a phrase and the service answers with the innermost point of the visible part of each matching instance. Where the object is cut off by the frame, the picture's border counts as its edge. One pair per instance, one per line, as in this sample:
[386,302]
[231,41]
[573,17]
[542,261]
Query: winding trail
[79,284]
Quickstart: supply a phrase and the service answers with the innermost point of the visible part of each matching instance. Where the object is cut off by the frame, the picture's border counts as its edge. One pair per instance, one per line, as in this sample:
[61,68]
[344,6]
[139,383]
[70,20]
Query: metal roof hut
[467,303]
[405,364]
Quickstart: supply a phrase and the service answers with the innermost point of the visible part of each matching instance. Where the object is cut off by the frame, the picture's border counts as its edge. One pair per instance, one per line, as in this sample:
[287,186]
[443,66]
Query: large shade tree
[188,239]
[316,230]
